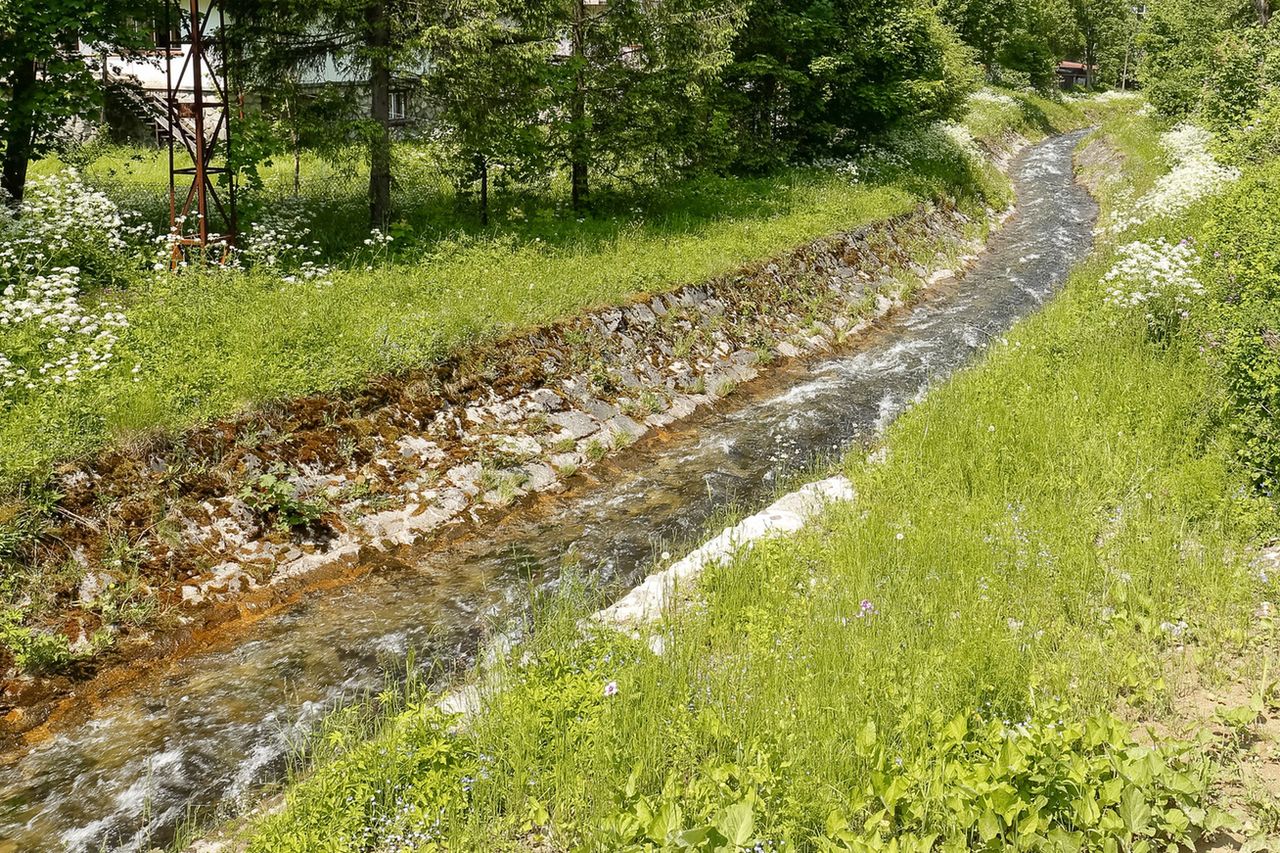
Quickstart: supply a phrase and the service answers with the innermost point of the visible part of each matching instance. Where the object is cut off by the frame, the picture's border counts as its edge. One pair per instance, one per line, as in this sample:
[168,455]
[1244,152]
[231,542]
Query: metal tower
[202,191]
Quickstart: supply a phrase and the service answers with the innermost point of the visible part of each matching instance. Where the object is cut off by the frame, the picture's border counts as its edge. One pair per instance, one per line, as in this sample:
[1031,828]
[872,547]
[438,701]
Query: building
[138,82]
[1073,74]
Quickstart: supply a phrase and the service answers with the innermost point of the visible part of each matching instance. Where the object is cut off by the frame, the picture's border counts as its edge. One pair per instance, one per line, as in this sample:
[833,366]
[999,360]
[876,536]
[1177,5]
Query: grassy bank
[206,344]
[1050,550]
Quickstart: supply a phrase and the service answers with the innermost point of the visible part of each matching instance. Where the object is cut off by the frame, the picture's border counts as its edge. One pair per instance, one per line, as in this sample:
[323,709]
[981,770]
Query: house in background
[138,82]
[1074,74]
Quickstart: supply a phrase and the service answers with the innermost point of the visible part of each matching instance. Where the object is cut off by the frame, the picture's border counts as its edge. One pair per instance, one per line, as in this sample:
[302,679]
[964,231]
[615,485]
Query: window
[171,28]
[399,105]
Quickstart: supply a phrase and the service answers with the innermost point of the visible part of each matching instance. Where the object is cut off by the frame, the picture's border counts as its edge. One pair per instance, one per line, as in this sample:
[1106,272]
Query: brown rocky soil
[1234,712]
[154,549]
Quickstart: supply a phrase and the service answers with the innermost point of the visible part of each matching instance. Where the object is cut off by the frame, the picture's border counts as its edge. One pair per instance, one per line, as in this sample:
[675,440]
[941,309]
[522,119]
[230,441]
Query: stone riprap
[604,381]
[410,456]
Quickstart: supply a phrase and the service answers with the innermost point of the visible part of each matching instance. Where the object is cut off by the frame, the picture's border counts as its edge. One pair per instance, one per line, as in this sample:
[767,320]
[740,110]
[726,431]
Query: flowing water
[216,726]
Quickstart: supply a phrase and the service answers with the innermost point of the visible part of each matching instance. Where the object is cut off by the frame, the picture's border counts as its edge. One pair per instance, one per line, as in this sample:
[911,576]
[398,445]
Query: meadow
[986,650]
[319,305]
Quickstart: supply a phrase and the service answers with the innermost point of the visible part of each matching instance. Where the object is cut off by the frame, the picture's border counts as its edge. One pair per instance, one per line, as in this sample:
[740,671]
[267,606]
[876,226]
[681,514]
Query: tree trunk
[484,190]
[1263,8]
[379,42]
[295,142]
[578,109]
[19,133]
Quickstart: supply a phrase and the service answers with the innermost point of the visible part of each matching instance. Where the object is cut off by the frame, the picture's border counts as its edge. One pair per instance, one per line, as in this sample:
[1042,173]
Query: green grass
[210,344]
[1048,527]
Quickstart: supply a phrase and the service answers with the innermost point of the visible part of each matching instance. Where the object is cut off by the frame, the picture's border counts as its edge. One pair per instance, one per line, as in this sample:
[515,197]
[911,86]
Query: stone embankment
[207,517]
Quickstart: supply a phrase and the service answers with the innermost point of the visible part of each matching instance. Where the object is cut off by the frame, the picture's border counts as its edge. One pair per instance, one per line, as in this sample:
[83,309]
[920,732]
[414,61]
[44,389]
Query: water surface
[216,726]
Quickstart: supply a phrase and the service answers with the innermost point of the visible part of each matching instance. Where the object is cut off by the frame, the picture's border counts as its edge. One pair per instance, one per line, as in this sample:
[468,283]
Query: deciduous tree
[633,90]
[815,76]
[45,81]
[489,88]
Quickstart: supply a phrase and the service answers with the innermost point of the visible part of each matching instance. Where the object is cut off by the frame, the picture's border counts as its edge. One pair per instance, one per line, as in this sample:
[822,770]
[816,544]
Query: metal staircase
[167,119]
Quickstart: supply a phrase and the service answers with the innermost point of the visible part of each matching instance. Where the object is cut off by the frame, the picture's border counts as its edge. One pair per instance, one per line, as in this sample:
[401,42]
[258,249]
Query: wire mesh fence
[326,195]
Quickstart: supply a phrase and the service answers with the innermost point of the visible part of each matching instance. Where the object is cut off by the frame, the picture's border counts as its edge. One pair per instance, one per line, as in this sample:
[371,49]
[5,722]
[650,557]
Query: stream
[213,728]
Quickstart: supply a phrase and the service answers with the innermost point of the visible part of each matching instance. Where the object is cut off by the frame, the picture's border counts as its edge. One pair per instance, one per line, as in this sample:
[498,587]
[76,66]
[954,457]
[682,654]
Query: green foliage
[23,520]
[1242,249]
[489,80]
[35,107]
[1019,42]
[985,25]
[276,499]
[1104,37]
[1177,39]
[634,95]
[1245,67]
[209,341]
[1257,140]
[1211,60]
[811,79]
[933,667]
[394,788]
[1043,784]
[34,651]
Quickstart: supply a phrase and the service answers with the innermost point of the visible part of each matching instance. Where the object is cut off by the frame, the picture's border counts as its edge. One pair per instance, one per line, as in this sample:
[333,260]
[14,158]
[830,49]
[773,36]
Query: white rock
[546,399]
[92,587]
[541,476]
[519,446]
[626,426]
[647,602]
[464,477]
[574,424]
[415,446]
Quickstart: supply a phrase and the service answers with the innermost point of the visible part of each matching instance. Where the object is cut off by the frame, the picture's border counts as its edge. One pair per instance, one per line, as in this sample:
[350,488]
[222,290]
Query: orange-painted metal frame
[206,188]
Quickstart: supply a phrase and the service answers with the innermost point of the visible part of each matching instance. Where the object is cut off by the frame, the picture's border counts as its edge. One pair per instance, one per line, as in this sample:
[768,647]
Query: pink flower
[611,689]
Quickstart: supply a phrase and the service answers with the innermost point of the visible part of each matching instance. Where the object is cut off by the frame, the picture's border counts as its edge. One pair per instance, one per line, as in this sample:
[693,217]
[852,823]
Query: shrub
[1196,173]
[1243,279]
[34,651]
[1155,278]
[64,222]
[1257,139]
[52,332]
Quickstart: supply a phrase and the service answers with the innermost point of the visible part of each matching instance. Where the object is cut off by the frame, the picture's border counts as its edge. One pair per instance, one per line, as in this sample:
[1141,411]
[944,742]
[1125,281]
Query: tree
[1102,30]
[370,43]
[1043,34]
[985,25]
[1182,43]
[489,86]
[634,91]
[45,82]
[811,77]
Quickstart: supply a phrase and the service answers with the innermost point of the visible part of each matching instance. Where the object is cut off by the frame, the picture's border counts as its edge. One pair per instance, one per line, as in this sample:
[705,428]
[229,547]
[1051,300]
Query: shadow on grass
[431,215]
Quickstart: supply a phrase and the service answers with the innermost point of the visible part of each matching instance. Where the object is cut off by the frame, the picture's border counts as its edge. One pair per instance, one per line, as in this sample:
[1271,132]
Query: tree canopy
[45,81]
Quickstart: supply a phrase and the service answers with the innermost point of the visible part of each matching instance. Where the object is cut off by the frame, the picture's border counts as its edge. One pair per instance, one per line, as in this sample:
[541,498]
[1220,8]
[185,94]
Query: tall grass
[208,344]
[1052,537]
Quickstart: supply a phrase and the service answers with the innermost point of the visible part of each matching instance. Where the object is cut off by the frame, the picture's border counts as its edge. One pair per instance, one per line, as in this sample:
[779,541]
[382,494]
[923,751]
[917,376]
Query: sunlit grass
[210,344]
[1047,529]
[1040,527]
